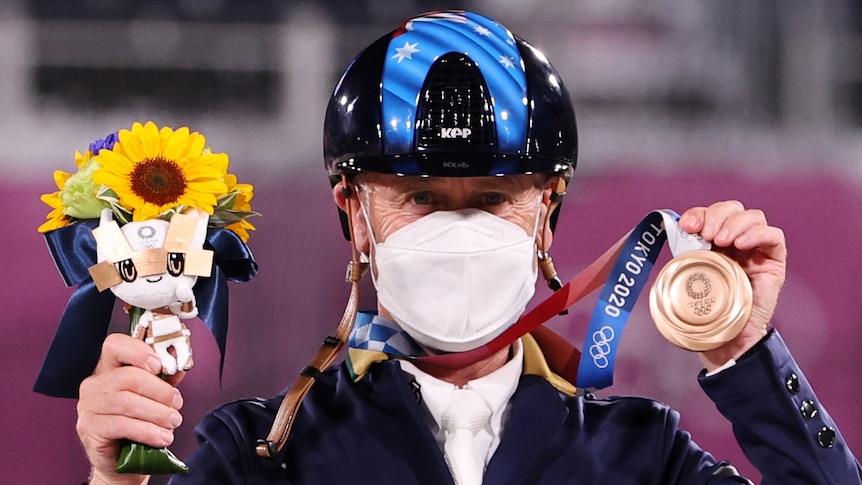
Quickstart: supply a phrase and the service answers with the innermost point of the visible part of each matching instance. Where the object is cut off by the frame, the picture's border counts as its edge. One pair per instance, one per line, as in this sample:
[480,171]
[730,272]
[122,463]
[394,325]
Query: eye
[127,270]
[176,263]
[493,198]
[421,198]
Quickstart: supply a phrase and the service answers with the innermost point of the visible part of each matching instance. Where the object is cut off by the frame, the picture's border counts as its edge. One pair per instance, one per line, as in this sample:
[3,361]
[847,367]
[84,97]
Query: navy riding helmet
[451,94]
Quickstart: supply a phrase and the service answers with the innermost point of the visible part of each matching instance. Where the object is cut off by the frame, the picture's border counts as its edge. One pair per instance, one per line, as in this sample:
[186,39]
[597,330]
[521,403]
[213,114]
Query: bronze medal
[700,300]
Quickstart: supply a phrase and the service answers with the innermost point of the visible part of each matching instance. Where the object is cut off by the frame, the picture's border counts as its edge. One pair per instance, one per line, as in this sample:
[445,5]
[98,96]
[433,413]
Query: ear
[341,193]
[105,218]
[200,228]
[187,230]
[545,236]
[111,247]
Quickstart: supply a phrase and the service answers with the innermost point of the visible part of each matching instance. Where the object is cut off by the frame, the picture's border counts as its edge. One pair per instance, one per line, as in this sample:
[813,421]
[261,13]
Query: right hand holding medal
[760,250]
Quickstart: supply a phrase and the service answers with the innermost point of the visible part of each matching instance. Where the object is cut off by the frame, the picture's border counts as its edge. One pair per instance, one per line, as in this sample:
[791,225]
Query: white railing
[624,78]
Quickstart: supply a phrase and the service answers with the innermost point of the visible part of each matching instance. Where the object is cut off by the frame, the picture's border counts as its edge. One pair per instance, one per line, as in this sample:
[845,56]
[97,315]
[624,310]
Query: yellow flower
[82,158]
[57,217]
[78,195]
[153,171]
[244,194]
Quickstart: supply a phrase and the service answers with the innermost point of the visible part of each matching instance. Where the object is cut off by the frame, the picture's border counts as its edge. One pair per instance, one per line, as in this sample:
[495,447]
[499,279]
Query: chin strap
[546,263]
[332,345]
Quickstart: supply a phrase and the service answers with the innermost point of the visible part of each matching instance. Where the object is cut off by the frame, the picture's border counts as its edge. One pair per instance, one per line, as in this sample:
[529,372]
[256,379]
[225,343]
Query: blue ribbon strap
[619,294]
[77,343]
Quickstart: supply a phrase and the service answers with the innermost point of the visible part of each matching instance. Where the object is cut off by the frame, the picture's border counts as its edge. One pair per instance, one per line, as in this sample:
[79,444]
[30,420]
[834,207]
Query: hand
[184,293]
[186,307]
[125,398]
[761,250]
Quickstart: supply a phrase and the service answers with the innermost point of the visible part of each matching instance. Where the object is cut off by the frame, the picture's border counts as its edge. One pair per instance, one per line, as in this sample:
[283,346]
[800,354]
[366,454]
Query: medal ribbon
[624,268]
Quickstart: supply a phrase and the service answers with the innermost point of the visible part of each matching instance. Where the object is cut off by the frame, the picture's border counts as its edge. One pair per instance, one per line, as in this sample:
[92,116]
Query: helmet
[450,94]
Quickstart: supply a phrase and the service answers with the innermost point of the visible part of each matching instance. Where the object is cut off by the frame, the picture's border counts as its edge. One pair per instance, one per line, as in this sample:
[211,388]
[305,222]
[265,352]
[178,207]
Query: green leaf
[227,217]
[226,202]
[122,215]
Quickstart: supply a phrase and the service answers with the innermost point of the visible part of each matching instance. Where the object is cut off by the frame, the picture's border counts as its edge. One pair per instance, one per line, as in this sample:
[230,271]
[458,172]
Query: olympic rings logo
[698,286]
[601,347]
[146,232]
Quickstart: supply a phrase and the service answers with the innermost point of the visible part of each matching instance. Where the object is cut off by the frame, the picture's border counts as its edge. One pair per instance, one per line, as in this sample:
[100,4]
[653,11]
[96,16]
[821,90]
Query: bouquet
[148,212]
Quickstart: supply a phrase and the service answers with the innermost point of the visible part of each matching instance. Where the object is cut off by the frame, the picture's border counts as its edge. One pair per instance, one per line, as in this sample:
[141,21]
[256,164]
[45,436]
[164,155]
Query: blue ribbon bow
[77,344]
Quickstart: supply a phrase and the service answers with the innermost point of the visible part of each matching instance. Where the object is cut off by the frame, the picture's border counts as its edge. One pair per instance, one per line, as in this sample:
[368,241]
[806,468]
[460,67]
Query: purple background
[279,318]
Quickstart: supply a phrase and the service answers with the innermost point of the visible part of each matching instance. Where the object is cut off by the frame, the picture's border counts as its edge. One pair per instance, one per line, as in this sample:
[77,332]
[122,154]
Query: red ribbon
[562,356]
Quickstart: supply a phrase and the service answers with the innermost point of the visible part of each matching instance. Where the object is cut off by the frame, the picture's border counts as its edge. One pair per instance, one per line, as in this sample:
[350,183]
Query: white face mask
[455,280]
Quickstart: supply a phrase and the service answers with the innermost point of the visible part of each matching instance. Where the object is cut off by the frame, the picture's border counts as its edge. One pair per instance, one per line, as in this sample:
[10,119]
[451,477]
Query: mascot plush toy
[152,266]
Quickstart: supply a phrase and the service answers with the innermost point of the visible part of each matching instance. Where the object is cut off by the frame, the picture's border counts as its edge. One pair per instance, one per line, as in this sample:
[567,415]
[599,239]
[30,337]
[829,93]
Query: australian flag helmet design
[450,94]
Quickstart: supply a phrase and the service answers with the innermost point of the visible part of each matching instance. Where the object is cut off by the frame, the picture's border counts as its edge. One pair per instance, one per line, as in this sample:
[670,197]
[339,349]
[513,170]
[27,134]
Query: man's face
[393,201]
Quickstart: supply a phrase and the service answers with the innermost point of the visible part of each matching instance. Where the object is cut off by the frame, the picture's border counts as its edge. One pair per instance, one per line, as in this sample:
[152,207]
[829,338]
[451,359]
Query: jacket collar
[359,361]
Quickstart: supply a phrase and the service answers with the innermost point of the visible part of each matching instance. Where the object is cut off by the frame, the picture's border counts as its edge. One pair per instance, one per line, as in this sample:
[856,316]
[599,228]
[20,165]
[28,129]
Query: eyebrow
[484,183]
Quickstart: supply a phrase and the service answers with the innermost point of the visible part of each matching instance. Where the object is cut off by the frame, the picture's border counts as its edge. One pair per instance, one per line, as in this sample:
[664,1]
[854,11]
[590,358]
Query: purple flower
[107,143]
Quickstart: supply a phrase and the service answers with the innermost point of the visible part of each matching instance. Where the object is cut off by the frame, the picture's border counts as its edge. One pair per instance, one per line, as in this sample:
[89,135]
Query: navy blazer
[374,432]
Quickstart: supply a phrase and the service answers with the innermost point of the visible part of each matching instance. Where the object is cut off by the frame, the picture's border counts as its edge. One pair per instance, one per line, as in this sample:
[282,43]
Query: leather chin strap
[546,264]
[332,345]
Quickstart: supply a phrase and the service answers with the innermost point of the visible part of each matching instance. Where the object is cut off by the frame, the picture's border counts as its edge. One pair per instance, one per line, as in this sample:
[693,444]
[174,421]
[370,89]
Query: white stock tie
[466,414]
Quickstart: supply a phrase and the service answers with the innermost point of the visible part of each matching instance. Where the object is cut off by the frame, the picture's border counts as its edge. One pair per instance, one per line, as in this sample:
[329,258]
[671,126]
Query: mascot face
[152,290]
[145,262]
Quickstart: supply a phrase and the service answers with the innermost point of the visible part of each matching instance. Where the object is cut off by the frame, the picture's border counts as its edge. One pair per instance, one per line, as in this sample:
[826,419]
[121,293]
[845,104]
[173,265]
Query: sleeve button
[808,409]
[792,383]
[826,437]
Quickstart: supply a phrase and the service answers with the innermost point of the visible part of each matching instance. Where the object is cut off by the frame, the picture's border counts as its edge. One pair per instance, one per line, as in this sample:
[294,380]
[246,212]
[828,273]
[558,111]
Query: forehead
[146,235]
[407,184]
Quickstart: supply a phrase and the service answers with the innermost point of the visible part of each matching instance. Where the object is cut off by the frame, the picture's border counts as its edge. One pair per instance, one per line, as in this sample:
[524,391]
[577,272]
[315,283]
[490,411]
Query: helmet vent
[455,109]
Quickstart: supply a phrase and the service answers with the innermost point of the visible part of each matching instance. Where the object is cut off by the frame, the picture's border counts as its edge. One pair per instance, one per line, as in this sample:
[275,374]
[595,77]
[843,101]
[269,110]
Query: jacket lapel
[398,422]
[532,433]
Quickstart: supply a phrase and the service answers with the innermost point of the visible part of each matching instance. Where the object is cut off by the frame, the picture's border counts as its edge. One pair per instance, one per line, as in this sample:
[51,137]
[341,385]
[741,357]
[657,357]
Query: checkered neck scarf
[373,332]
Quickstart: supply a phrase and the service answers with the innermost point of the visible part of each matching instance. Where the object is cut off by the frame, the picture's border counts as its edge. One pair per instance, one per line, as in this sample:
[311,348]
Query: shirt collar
[496,388]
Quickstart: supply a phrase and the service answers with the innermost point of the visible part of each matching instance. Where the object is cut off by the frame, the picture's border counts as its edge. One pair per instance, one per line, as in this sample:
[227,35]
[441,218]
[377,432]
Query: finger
[710,222]
[128,403]
[745,230]
[136,407]
[729,229]
[716,215]
[768,240]
[104,432]
[122,350]
[99,390]
[692,220]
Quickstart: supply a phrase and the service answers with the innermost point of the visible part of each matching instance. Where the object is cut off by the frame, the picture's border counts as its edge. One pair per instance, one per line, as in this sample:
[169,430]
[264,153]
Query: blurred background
[679,104]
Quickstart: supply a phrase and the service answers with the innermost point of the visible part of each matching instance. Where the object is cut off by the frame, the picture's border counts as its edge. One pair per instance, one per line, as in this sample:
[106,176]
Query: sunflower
[57,217]
[243,194]
[153,171]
